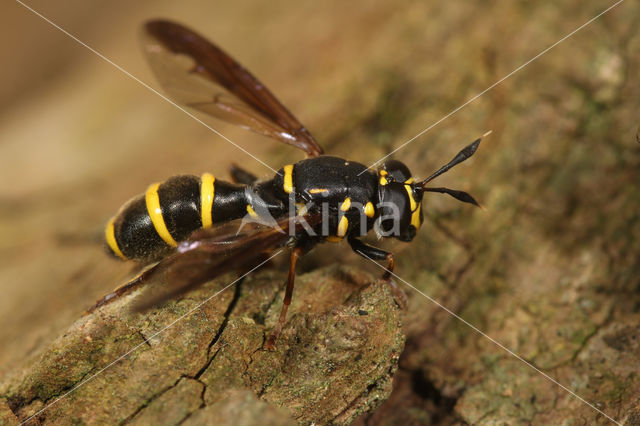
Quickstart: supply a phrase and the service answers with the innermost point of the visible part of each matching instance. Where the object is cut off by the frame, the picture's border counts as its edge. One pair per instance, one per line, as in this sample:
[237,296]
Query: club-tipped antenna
[459,158]
[458,195]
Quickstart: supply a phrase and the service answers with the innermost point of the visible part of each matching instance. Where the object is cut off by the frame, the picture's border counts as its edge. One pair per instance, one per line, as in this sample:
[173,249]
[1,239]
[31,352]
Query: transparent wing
[198,74]
[206,255]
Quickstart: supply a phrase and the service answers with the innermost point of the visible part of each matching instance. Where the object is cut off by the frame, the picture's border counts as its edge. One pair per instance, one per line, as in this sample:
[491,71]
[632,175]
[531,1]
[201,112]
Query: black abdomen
[150,225]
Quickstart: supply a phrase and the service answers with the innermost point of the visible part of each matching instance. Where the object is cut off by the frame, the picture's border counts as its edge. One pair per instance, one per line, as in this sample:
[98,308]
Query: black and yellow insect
[184,221]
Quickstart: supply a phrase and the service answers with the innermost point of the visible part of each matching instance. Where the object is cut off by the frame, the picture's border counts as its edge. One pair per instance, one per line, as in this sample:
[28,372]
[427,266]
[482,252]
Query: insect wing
[198,74]
[205,256]
[213,252]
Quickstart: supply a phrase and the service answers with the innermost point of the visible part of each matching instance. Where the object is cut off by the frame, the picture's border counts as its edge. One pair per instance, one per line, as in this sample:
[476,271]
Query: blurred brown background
[550,269]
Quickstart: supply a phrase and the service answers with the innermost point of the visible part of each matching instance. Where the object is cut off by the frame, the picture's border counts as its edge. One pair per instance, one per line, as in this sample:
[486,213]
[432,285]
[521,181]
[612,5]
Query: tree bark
[334,359]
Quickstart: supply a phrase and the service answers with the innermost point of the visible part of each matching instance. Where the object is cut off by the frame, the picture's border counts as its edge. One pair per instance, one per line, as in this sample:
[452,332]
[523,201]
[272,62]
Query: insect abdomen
[149,225]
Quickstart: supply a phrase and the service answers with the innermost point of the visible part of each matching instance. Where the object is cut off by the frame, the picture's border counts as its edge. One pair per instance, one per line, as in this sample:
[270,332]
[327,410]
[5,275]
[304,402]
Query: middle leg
[270,344]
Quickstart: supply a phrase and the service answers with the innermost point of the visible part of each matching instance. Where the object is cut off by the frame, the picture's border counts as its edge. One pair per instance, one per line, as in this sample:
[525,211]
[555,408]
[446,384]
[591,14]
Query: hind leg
[240,175]
[120,291]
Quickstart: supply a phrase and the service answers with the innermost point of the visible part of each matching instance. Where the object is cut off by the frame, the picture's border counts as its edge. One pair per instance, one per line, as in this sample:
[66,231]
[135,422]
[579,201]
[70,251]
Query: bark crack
[585,342]
[216,337]
[237,291]
[388,374]
[15,406]
[144,338]
[159,394]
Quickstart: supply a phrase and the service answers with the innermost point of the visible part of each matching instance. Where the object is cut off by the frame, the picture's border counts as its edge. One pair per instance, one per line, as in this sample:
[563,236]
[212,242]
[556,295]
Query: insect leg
[120,291]
[240,175]
[375,253]
[271,341]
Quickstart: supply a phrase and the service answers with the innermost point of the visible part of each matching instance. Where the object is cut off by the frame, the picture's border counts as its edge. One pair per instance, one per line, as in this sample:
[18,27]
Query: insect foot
[399,295]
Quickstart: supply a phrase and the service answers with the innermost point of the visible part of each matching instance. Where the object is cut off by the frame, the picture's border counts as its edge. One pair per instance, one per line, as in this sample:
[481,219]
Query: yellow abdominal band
[155,213]
[207,194]
[110,236]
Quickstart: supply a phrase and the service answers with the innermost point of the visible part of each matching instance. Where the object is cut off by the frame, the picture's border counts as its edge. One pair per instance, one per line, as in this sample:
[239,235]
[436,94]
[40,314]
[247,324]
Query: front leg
[375,253]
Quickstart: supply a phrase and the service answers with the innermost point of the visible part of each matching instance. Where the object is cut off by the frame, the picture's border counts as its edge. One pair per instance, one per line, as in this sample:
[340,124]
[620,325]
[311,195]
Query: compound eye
[396,170]
[417,193]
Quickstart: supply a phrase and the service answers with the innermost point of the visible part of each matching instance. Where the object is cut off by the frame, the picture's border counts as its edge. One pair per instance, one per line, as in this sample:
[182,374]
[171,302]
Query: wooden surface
[550,269]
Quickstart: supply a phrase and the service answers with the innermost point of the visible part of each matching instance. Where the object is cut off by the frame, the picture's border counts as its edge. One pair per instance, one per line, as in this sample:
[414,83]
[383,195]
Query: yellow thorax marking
[155,213]
[333,239]
[110,236]
[301,209]
[207,193]
[318,190]
[251,211]
[346,204]
[288,179]
[383,179]
[369,211]
[343,225]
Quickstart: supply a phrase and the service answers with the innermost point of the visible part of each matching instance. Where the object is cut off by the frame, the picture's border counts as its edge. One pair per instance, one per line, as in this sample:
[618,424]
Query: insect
[190,223]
